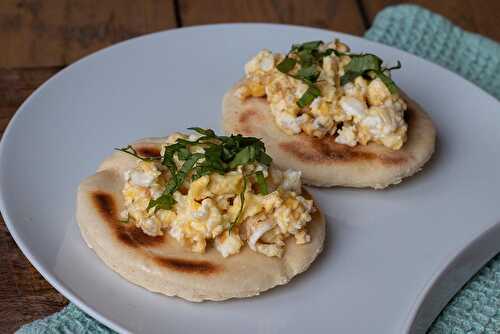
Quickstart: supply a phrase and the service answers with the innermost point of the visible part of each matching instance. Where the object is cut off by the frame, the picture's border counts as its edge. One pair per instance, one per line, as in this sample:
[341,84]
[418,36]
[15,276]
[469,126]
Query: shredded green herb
[310,59]
[312,45]
[365,64]
[308,74]
[311,93]
[348,77]
[396,67]
[286,65]
[261,183]
[242,204]
[166,200]
[361,63]
[130,150]
[263,190]
[387,81]
[221,155]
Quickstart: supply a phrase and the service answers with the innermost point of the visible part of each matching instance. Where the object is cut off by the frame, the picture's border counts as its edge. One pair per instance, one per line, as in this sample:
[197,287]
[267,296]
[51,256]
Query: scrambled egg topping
[205,208]
[357,112]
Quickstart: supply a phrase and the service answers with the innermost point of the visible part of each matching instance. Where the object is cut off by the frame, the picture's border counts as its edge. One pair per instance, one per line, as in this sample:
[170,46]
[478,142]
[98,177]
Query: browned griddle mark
[127,233]
[250,118]
[134,237]
[148,151]
[393,160]
[245,121]
[409,115]
[188,266]
[246,115]
[326,150]
[105,205]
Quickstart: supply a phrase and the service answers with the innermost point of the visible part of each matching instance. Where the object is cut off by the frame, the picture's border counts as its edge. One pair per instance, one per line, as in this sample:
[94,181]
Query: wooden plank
[46,34]
[37,33]
[16,86]
[4,121]
[476,16]
[485,14]
[339,15]
[24,294]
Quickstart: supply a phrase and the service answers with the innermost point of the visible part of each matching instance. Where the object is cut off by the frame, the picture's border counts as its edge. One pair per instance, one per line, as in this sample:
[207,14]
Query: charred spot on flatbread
[135,237]
[105,205]
[149,151]
[323,150]
[326,150]
[188,266]
[127,233]
[246,118]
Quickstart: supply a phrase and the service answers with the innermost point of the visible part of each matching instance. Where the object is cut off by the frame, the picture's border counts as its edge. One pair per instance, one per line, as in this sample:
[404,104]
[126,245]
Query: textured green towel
[433,37]
[476,308]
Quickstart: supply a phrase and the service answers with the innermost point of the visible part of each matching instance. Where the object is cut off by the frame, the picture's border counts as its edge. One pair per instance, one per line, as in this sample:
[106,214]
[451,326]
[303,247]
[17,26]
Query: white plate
[393,257]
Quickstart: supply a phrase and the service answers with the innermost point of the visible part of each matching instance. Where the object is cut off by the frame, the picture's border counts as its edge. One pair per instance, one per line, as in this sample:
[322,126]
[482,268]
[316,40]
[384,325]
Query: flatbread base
[326,163]
[161,264]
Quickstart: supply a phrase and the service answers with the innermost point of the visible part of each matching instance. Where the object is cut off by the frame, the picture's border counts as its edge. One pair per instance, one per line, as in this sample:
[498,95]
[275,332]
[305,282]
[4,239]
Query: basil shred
[310,59]
[222,154]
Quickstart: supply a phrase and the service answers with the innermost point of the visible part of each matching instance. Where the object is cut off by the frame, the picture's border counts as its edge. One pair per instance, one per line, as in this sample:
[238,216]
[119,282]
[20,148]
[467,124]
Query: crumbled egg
[210,204]
[353,107]
[143,176]
[292,181]
[346,135]
[348,112]
[228,243]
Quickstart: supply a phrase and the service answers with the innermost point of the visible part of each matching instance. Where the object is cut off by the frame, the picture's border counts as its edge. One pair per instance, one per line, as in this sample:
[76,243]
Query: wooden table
[40,37]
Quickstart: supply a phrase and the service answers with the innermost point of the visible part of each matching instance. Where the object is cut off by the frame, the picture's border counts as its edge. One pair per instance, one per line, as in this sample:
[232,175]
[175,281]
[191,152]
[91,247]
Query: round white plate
[393,258]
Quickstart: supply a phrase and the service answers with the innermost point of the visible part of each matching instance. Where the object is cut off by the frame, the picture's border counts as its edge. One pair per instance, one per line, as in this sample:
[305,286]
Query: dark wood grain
[476,16]
[39,37]
[340,15]
[57,32]
[24,294]
[16,85]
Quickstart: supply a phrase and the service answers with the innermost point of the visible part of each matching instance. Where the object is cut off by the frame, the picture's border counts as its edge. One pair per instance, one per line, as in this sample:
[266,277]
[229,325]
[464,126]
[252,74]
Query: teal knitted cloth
[431,36]
[476,308]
